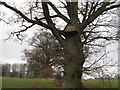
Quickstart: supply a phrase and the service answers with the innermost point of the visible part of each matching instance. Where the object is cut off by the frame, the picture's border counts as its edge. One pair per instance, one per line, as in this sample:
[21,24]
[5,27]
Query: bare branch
[25,17]
[18,33]
[98,59]
[86,10]
[18,12]
[2,15]
[100,37]
[58,12]
[26,28]
[96,13]
[113,6]
[42,24]
[50,17]
[4,21]
[51,24]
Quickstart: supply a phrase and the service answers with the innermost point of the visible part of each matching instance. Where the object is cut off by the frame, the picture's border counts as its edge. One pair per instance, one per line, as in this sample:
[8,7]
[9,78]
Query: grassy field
[97,83]
[8,82]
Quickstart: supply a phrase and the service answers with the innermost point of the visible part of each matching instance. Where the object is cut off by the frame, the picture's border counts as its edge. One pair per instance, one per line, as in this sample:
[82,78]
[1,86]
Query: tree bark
[74,59]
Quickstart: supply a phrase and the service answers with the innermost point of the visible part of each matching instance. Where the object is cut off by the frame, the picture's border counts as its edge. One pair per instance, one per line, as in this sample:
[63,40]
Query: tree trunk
[74,59]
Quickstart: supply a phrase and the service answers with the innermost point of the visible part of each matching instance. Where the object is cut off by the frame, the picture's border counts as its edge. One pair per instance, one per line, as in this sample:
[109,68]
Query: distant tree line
[22,71]
[14,70]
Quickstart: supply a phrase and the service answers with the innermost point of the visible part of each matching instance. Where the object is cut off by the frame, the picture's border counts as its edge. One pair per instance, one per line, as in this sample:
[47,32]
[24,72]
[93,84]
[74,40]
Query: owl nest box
[70,30]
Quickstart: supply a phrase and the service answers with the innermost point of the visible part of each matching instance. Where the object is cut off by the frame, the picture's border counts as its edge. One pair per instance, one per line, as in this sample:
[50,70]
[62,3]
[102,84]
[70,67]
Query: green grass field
[8,82]
[98,83]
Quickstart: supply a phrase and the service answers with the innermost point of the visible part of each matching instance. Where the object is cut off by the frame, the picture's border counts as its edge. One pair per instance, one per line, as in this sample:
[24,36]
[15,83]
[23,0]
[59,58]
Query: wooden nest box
[70,30]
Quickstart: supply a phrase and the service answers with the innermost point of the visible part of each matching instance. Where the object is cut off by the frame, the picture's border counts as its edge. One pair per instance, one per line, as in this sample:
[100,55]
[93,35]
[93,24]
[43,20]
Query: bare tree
[84,21]
[45,52]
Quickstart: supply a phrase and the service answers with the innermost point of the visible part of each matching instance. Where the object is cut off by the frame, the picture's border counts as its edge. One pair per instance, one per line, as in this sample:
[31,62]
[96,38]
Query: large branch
[51,24]
[113,6]
[38,22]
[97,13]
[72,8]
[92,8]
[17,11]
[59,13]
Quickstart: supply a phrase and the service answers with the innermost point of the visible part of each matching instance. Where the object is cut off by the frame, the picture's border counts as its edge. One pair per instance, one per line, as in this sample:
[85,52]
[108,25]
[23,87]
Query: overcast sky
[10,51]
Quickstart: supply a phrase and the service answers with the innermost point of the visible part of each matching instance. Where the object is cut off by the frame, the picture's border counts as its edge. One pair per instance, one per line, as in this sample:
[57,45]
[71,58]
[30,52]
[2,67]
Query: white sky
[10,51]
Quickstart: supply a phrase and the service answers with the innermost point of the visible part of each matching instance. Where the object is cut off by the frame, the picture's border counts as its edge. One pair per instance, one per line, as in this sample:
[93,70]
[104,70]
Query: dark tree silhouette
[6,70]
[46,51]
